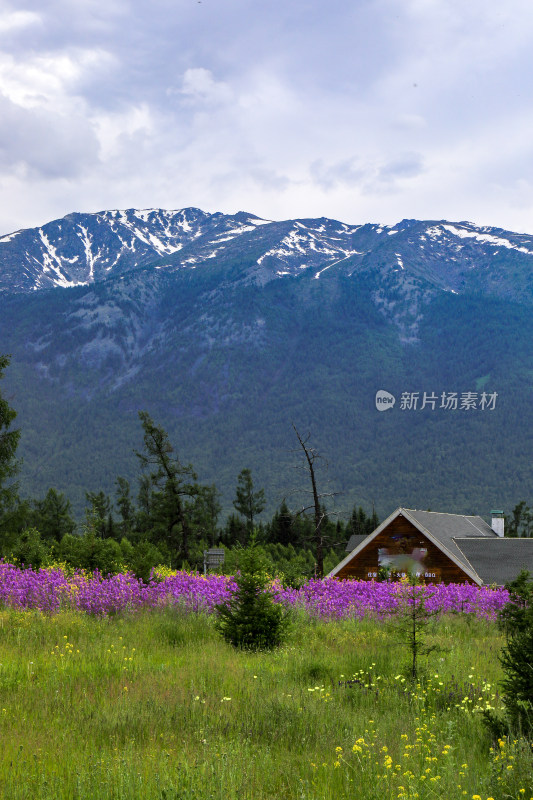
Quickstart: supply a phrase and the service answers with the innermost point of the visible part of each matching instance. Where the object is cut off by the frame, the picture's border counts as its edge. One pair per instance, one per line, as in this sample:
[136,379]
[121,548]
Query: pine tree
[52,516]
[361,524]
[251,619]
[516,658]
[99,512]
[280,529]
[411,621]
[125,506]
[9,439]
[169,485]
[248,502]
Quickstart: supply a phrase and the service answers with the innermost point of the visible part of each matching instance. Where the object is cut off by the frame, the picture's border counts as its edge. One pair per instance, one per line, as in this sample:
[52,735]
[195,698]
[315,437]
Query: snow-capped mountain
[229,327]
[82,249]
[406,264]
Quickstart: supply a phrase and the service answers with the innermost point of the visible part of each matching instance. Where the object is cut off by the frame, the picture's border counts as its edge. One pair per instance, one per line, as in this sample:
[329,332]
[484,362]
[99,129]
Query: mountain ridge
[158,233]
[228,328]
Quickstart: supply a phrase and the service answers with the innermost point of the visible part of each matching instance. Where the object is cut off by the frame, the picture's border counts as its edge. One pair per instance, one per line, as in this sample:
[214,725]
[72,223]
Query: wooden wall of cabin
[396,542]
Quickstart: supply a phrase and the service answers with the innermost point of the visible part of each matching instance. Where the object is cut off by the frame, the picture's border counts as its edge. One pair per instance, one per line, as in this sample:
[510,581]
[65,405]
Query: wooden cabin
[437,548]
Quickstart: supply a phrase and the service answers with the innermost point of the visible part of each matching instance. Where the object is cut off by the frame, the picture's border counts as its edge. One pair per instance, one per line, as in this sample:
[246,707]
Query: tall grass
[156,705]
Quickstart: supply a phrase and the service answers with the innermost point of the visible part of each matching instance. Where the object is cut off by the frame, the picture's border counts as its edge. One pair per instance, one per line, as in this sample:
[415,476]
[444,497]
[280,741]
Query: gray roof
[498,560]
[448,527]
[354,540]
[469,540]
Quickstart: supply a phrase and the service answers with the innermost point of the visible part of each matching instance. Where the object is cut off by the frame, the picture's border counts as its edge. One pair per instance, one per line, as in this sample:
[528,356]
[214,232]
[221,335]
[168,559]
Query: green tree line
[169,518]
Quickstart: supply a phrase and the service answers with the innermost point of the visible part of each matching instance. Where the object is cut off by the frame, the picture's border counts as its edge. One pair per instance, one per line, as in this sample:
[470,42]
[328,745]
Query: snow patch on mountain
[317,275]
[303,240]
[89,258]
[52,263]
[486,238]
[10,236]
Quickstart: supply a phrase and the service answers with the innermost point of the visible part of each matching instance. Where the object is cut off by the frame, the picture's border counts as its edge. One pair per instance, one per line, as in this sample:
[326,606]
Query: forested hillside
[232,329]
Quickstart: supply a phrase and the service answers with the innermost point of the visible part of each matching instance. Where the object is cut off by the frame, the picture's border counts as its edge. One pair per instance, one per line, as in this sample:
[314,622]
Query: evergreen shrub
[251,619]
[517,656]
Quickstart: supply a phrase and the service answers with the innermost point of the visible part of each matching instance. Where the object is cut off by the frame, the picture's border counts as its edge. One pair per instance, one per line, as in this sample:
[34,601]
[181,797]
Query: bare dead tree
[319,514]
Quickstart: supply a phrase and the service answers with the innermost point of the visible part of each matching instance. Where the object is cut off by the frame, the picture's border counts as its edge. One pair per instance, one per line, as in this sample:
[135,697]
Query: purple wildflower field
[51,590]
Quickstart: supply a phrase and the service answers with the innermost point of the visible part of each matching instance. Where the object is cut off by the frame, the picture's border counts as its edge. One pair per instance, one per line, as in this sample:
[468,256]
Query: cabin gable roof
[365,541]
[441,529]
[444,529]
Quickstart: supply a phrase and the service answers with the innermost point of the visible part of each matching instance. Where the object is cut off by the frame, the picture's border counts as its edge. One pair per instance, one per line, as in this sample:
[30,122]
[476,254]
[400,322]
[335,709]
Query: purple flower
[50,590]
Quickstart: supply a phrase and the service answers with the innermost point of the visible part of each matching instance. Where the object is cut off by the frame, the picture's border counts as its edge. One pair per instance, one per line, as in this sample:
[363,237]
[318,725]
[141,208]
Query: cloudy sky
[362,110]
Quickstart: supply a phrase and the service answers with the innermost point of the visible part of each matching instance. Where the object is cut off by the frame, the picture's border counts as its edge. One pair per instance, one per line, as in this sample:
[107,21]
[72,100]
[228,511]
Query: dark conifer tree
[361,524]
[248,501]
[125,507]
[169,487]
[517,656]
[251,619]
[281,529]
[9,439]
[99,513]
[52,516]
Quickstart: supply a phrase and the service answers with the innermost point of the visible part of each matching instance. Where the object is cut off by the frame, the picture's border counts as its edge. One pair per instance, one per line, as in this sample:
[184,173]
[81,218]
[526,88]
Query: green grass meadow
[157,705]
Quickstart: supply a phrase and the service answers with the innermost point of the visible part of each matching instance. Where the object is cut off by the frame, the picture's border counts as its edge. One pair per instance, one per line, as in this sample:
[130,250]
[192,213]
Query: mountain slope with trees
[229,330]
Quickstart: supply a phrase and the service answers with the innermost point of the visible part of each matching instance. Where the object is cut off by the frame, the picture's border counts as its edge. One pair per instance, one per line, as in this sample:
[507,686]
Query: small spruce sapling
[411,621]
[251,619]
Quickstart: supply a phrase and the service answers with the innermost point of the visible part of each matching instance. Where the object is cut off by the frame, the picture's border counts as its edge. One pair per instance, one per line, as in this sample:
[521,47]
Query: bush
[30,550]
[143,558]
[251,619]
[91,553]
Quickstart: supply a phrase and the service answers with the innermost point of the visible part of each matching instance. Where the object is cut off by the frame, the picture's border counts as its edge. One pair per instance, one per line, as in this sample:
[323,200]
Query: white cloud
[199,85]
[51,80]
[374,110]
[47,144]
[16,20]
[123,131]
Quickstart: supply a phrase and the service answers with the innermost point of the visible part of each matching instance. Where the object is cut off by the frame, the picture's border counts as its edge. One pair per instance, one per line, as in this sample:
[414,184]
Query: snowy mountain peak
[80,249]
[403,265]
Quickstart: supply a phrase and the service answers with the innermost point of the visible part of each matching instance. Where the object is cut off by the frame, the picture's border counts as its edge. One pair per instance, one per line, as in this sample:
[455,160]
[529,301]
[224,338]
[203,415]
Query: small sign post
[213,558]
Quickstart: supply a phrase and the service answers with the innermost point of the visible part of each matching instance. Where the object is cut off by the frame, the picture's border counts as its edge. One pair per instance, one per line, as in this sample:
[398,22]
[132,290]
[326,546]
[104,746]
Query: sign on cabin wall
[406,562]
